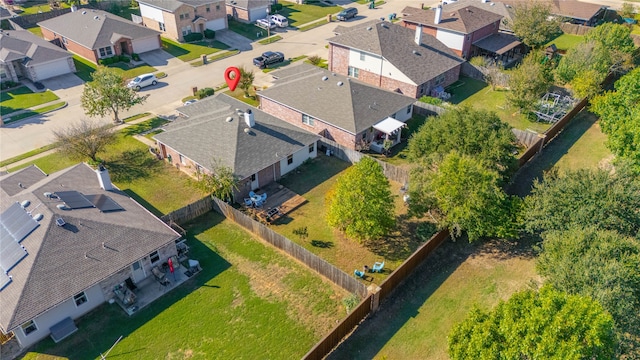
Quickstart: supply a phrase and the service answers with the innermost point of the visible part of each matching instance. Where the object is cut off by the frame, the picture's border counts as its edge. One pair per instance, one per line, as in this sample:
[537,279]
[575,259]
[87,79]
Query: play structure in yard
[552,107]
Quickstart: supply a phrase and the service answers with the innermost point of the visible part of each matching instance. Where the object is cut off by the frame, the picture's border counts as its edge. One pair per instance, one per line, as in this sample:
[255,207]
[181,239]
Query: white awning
[389,125]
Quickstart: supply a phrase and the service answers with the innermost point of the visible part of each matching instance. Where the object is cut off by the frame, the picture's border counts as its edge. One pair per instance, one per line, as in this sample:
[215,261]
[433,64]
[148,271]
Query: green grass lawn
[414,324]
[477,94]
[565,42]
[125,12]
[34,7]
[38,111]
[250,31]
[84,69]
[188,52]
[300,14]
[239,95]
[35,31]
[23,98]
[250,301]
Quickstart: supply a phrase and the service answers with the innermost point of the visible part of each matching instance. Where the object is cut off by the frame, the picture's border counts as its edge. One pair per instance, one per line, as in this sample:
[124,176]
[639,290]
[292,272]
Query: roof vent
[340,83]
[229,119]
[48,195]
[60,222]
[63,207]
[369,28]
[38,217]
[239,112]
[334,74]
[384,25]
[96,17]
[25,203]
[416,53]
[247,130]
[324,78]
[492,4]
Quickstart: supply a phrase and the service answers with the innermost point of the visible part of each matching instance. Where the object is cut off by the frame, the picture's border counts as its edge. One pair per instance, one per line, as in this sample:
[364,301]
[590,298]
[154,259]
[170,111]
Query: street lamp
[268,25]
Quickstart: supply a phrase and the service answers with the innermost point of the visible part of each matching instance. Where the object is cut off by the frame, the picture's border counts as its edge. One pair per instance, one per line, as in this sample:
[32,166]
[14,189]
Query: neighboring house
[336,107]
[67,240]
[25,55]
[505,10]
[96,34]
[175,19]
[457,29]
[220,130]
[573,11]
[248,10]
[394,58]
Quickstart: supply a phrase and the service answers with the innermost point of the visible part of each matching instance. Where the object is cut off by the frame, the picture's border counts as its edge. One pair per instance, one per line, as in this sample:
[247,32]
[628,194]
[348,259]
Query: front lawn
[250,301]
[192,51]
[477,94]
[566,42]
[300,14]
[23,98]
[250,31]
[37,31]
[238,94]
[84,69]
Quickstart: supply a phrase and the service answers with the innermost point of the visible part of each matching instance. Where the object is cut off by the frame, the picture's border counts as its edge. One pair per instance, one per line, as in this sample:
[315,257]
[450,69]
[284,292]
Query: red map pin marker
[232,82]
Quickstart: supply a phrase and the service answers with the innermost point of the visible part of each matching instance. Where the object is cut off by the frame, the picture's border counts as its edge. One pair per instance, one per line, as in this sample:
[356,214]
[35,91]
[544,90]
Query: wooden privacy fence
[575,29]
[190,211]
[343,153]
[314,262]
[422,108]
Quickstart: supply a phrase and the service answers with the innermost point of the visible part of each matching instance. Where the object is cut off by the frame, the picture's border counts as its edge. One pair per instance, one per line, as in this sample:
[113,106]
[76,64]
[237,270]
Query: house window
[469,37]
[289,159]
[199,169]
[208,8]
[440,79]
[161,26]
[361,56]
[29,327]
[182,160]
[105,51]
[154,257]
[253,177]
[364,135]
[80,299]
[218,7]
[184,16]
[186,30]
[306,119]
[312,147]
[64,40]
[409,109]
[353,72]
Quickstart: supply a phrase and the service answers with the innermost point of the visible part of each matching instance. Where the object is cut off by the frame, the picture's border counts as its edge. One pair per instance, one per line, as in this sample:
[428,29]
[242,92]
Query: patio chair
[251,193]
[259,203]
[159,275]
[377,267]
[248,202]
[263,197]
[359,274]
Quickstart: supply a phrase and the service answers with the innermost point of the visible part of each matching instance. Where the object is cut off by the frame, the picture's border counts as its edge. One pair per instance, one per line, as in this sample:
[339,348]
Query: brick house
[248,10]
[175,19]
[336,107]
[220,130]
[457,29]
[573,11]
[67,239]
[96,34]
[394,58]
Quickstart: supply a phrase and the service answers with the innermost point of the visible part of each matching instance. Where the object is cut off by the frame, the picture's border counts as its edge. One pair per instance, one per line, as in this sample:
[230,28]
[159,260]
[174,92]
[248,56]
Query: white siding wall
[451,39]
[257,13]
[151,13]
[55,315]
[402,115]
[377,65]
[298,158]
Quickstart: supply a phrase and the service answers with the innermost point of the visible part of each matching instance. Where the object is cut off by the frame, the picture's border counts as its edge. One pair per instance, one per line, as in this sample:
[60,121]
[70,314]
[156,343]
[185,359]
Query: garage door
[147,44]
[51,69]
[217,24]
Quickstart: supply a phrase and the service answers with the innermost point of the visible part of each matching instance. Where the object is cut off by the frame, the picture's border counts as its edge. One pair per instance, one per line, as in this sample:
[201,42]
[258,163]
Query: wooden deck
[279,197]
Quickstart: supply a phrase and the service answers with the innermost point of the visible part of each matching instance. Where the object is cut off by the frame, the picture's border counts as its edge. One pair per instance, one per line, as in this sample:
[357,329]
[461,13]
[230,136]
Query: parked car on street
[347,14]
[189,102]
[141,81]
[280,20]
[266,24]
[268,58]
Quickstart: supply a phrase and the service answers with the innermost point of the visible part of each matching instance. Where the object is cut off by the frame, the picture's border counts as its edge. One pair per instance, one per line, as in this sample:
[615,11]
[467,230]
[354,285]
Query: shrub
[193,37]
[431,100]
[314,60]
[203,93]
[425,231]
[8,85]
[275,8]
[350,302]
[135,57]
[124,58]
[209,34]
[478,61]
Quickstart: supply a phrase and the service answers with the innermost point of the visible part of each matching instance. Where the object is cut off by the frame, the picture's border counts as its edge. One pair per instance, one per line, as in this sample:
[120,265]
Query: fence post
[543,137]
[374,291]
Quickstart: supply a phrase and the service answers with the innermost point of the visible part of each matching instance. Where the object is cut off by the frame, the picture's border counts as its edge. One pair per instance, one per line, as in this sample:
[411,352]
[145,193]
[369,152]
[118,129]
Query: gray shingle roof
[21,180]
[21,44]
[173,5]
[396,44]
[83,28]
[499,8]
[354,106]
[248,4]
[465,20]
[568,8]
[63,262]
[206,136]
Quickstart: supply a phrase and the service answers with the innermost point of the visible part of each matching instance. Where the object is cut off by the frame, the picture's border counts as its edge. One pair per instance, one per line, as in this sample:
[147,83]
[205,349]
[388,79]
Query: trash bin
[204,59]
[195,90]
[372,5]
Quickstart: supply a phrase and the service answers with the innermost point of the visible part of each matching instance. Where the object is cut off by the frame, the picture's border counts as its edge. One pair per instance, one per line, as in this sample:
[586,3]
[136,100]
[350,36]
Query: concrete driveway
[161,59]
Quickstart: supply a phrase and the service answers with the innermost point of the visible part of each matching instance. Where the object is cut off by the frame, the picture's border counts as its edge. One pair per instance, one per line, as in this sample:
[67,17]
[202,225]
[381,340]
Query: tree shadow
[399,244]
[131,165]
[313,173]
[322,244]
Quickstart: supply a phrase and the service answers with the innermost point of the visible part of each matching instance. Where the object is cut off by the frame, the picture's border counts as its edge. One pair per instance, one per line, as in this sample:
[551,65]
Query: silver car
[141,81]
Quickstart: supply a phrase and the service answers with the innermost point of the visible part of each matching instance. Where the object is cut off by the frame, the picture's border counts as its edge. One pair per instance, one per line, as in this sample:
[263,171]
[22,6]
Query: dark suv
[347,14]
[268,58]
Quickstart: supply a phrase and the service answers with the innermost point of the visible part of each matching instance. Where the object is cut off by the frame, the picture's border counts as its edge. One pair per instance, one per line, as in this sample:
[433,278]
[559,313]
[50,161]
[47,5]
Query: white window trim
[106,54]
[353,72]
[362,56]
[151,256]
[76,297]
[308,120]
[290,159]
[183,161]
[161,26]
[312,147]
[33,322]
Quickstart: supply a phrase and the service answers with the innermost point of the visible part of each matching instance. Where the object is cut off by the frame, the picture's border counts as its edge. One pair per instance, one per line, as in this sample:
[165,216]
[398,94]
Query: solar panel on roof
[11,255]
[104,203]
[4,280]
[17,222]
[74,199]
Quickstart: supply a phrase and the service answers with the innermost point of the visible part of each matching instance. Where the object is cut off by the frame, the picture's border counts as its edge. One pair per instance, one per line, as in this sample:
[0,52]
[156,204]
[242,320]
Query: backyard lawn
[477,94]
[565,42]
[37,31]
[299,14]
[250,301]
[84,69]
[35,7]
[192,51]
[23,98]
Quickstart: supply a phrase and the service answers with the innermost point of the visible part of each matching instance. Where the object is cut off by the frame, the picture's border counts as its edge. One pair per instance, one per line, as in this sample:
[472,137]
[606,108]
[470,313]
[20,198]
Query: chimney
[103,178]
[438,15]
[418,37]
[248,118]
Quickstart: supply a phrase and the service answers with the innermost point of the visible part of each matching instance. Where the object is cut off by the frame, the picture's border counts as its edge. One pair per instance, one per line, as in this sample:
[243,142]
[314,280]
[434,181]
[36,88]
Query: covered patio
[387,130]
[506,48]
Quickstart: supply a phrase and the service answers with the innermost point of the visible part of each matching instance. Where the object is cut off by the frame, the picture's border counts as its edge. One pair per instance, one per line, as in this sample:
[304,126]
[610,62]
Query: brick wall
[477,35]
[237,13]
[425,29]
[338,59]
[71,46]
[393,85]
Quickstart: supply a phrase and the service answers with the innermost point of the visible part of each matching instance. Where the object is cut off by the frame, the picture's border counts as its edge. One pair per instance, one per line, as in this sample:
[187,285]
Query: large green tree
[471,132]
[463,194]
[246,80]
[361,203]
[600,264]
[536,325]
[528,82]
[533,23]
[84,140]
[107,94]
[619,113]
[585,198]
[220,182]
